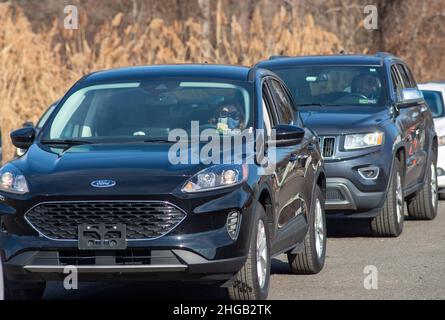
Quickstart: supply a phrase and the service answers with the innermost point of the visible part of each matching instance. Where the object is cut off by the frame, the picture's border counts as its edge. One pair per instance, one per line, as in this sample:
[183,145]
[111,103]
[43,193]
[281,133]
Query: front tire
[253,280]
[389,223]
[311,260]
[423,206]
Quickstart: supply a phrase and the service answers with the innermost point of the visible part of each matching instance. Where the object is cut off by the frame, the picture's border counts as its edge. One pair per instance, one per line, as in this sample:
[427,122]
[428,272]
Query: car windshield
[335,85]
[435,101]
[150,110]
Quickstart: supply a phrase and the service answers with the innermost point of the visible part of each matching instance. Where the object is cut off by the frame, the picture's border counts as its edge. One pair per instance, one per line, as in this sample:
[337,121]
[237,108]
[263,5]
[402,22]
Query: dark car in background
[97,188]
[376,133]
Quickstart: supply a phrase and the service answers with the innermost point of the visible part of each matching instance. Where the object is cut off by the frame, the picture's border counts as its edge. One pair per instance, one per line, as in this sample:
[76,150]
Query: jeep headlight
[12,180]
[216,177]
[361,141]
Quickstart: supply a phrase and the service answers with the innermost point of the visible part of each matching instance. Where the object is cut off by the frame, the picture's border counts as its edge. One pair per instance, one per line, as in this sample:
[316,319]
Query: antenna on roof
[342,51]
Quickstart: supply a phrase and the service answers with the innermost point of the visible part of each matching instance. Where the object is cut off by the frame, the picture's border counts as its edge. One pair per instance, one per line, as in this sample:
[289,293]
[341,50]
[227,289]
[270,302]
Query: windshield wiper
[311,104]
[66,142]
[158,141]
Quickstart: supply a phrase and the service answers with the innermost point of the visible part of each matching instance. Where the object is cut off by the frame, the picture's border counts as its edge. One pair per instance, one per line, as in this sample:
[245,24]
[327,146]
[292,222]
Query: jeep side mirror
[411,96]
[23,138]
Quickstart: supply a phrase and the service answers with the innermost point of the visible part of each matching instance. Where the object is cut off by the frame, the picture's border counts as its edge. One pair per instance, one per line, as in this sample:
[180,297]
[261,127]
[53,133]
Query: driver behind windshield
[367,85]
[228,117]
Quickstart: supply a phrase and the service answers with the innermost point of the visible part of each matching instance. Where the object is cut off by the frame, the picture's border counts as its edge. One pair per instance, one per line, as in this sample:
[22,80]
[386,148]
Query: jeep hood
[343,120]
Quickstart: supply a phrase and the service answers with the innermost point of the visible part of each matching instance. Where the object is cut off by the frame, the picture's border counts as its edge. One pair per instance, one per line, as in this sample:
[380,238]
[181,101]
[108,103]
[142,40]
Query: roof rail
[383,54]
[278,57]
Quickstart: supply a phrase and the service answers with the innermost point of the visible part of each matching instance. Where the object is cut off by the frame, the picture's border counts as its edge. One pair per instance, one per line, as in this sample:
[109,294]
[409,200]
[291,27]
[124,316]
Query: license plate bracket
[102,237]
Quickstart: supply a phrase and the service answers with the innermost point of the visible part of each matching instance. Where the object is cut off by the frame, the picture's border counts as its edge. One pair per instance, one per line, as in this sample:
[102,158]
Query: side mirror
[23,138]
[411,97]
[288,135]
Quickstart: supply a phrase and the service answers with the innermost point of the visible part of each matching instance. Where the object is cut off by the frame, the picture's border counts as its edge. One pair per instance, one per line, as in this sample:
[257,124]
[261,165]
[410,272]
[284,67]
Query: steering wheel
[351,97]
[356,95]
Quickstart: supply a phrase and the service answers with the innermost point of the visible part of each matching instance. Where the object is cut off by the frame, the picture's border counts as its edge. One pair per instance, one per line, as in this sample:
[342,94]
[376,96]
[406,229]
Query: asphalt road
[409,267]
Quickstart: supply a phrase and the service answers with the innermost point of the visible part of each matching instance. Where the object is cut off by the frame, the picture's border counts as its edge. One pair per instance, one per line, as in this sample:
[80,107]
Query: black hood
[137,169]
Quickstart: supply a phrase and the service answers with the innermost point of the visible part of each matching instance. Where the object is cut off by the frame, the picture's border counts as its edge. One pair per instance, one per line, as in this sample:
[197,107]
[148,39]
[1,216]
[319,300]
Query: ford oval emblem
[103,183]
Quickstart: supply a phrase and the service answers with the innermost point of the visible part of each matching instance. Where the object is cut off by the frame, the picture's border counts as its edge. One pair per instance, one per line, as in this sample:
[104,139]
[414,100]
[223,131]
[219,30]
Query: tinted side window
[410,75]
[404,76]
[396,81]
[282,101]
[269,117]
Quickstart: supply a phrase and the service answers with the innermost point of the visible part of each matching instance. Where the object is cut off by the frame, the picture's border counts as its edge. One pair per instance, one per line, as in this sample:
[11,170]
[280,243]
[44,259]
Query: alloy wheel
[261,254]
[399,198]
[319,229]
[434,185]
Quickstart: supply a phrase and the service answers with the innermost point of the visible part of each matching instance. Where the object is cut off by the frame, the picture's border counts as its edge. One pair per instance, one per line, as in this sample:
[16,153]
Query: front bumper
[148,265]
[343,197]
[349,193]
[198,249]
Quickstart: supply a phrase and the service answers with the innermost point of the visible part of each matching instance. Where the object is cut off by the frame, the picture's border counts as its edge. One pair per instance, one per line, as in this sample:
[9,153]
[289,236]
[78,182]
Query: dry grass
[37,68]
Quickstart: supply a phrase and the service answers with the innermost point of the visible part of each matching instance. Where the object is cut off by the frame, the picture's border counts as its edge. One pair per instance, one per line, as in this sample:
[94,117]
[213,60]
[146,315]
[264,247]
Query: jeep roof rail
[383,54]
[278,57]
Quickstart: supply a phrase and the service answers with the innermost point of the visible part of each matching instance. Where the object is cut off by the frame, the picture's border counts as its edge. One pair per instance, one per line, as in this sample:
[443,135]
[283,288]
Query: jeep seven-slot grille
[327,146]
[143,220]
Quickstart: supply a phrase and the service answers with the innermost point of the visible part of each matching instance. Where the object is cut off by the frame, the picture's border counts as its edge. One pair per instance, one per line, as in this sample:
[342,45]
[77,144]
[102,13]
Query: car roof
[226,72]
[342,59]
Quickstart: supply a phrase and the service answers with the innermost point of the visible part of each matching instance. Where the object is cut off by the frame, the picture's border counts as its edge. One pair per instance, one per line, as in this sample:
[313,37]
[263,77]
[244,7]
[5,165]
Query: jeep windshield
[319,86]
[148,111]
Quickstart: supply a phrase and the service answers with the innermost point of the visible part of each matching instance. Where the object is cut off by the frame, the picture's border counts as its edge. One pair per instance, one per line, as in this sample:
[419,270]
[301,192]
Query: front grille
[327,146]
[143,220]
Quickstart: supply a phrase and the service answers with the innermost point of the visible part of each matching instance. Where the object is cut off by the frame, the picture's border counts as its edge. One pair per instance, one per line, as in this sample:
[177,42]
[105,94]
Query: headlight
[442,141]
[12,180]
[360,141]
[216,177]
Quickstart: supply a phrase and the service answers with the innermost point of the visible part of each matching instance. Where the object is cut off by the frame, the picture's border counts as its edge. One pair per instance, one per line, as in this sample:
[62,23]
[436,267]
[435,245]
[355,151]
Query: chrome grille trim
[328,146]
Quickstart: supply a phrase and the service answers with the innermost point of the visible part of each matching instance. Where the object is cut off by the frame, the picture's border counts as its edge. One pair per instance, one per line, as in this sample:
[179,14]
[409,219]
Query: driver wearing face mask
[229,116]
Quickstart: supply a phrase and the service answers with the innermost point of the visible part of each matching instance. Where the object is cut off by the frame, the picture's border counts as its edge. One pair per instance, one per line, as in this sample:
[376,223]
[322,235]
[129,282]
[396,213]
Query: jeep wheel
[311,259]
[423,206]
[252,281]
[389,223]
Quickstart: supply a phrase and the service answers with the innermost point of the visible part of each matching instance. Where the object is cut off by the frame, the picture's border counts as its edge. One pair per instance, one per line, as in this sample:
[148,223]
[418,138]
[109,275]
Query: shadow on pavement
[348,228]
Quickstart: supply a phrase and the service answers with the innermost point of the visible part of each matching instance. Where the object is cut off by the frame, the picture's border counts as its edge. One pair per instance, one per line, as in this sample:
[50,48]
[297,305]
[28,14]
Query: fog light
[369,173]
[440,172]
[233,224]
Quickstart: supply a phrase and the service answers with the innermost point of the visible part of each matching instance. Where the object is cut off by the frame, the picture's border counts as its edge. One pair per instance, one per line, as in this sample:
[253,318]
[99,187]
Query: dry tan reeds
[37,68]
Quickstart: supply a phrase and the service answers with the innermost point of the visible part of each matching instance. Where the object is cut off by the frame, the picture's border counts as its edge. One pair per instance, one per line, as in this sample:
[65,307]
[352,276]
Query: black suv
[376,132]
[118,183]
